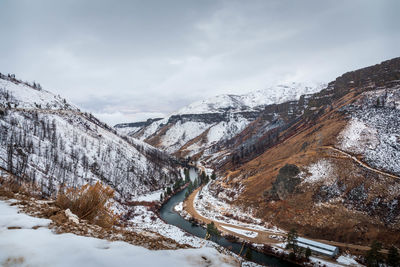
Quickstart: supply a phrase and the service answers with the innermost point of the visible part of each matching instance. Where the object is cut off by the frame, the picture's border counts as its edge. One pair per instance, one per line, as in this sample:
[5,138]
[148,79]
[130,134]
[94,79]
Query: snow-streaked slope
[251,101]
[42,247]
[200,125]
[52,145]
[373,130]
[180,133]
[24,96]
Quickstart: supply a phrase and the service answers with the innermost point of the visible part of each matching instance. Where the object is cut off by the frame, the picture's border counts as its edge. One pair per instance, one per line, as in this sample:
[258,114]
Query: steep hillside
[196,129]
[50,142]
[332,169]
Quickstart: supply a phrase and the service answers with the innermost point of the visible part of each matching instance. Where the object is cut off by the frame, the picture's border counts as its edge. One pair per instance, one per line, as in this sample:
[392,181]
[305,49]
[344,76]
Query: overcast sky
[129,60]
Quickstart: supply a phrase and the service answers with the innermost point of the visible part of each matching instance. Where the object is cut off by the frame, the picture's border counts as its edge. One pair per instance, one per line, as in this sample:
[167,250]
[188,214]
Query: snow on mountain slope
[52,144]
[180,133]
[373,130]
[200,125]
[25,96]
[251,101]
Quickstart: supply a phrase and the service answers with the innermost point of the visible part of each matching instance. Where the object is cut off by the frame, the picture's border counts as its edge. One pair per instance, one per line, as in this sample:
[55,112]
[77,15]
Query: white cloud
[154,57]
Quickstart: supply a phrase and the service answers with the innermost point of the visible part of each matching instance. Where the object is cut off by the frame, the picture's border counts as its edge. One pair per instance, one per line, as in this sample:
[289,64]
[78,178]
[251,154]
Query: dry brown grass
[90,202]
[331,221]
[13,261]
[9,186]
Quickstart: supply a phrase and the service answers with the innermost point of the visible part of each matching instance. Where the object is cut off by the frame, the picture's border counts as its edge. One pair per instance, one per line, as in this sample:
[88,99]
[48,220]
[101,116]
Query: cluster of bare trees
[37,148]
[11,77]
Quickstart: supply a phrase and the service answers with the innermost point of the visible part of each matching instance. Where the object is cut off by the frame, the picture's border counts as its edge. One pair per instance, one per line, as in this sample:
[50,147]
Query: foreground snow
[41,247]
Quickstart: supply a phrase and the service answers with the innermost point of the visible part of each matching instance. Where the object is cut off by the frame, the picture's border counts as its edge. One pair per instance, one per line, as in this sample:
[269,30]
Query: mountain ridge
[212,120]
[50,142]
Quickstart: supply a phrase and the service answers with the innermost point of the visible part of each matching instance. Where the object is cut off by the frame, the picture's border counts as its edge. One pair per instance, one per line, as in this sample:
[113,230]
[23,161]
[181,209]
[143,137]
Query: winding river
[170,216]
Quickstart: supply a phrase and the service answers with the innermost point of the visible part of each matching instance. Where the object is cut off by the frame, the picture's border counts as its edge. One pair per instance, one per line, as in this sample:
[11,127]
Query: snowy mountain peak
[254,100]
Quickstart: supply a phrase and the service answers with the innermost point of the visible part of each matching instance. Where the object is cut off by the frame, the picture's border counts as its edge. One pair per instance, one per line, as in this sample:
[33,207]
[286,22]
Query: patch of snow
[357,137]
[150,197]
[250,234]
[180,133]
[25,97]
[373,132]
[178,207]
[348,260]
[321,171]
[215,209]
[72,217]
[321,262]
[148,221]
[9,217]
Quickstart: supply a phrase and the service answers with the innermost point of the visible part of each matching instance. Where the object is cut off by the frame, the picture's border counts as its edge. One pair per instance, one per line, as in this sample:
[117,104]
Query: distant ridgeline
[137,124]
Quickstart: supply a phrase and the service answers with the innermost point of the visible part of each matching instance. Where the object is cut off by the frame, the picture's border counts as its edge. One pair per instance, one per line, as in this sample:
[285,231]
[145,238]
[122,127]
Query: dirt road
[263,237]
[360,162]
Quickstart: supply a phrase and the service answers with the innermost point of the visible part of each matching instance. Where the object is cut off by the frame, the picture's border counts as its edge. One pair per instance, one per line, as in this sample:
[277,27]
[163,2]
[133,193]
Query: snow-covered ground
[344,260]
[320,262]
[9,217]
[26,97]
[372,131]
[348,260]
[241,232]
[146,220]
[32,246]
[320,171]
[217,210]
[150,197]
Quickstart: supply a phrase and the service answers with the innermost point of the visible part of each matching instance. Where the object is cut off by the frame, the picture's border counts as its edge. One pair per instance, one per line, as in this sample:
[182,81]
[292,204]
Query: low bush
[90,202]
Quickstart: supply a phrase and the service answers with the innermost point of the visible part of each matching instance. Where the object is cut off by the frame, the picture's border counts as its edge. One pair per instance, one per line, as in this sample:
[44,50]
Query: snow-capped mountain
[193,129]
[253,101]
[50,142]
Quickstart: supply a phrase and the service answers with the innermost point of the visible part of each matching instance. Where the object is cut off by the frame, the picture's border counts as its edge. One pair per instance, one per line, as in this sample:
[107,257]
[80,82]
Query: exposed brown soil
[328,221]
[263,237]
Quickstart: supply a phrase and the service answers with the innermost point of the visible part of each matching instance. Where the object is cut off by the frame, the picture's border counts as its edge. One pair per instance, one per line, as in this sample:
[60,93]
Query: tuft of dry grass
[9,186]
[90,202]
[13,261]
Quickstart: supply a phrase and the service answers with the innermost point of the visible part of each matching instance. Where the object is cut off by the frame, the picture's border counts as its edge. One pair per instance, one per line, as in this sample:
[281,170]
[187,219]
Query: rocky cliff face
[132,127]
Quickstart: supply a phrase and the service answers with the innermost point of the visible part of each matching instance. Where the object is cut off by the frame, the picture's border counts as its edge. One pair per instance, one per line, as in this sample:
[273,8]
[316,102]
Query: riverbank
[253,235]
[261,238]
